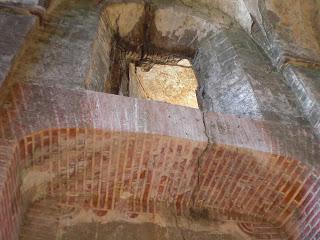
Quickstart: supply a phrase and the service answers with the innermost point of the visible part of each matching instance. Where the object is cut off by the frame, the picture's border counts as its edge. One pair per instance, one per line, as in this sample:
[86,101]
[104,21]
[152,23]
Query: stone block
[14,30]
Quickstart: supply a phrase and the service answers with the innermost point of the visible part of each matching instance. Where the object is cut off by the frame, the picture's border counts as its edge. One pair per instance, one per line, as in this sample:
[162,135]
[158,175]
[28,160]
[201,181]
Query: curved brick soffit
[258,168]
[154,152]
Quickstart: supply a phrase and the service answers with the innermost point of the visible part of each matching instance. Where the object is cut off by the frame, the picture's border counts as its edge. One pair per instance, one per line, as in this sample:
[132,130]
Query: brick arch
[248,169]
[150,168]
[106,171]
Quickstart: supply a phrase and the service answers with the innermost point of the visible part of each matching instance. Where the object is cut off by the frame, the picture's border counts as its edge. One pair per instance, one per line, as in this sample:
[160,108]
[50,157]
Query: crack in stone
[200,159]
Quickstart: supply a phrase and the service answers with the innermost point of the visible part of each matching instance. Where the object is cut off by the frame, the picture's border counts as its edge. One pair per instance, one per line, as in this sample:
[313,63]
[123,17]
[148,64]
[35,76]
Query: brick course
[105,157]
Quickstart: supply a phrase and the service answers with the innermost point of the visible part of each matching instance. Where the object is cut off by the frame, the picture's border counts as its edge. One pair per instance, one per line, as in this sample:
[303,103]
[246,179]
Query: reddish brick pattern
[305,224]
[9,192]
[94,169]
[262,231]
[41,221]
[108,152]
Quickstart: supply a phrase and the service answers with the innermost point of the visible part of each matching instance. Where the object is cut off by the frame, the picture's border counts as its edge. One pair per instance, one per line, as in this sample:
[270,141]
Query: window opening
[174,84]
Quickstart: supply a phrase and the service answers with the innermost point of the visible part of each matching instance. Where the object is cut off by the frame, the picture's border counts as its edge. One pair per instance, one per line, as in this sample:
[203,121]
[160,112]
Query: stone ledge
[33,108]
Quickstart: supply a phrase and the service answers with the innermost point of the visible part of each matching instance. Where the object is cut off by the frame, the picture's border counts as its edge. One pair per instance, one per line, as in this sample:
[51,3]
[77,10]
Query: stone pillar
[305,82]
[235,77]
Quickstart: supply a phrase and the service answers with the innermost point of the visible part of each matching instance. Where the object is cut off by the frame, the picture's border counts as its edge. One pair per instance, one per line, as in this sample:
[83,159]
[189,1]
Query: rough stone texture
[306,85]
[170,84]
[29,2]
[236,9]
[250,169]
[70,223]
[14,29]
[292,29]
[141,231]
[236,78]
[100,72]
[124,17]
[180,28]
[289,27]
[59,54]
[32,6]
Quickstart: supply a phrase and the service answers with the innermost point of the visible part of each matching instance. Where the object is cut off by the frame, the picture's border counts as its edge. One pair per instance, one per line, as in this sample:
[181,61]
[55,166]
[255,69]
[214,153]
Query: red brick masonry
[95,148]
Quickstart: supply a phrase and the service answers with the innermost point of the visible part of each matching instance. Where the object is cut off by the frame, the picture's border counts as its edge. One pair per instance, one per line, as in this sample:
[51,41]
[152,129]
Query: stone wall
[236,78]
[245,167]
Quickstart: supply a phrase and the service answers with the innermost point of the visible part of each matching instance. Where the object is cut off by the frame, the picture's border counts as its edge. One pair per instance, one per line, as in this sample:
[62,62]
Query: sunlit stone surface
[171,84]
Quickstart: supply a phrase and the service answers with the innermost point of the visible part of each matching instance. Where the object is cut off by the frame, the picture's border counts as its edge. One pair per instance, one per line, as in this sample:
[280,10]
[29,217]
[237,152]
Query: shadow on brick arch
[103,162]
